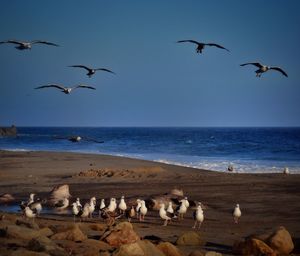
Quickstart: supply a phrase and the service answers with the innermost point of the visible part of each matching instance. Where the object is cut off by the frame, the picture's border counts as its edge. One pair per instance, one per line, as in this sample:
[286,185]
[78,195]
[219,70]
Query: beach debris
[59,193]
[91,71]
[286,170]
[236,213]
[66,90]
[6,198]
[263,68]
[23,45]
[201,46]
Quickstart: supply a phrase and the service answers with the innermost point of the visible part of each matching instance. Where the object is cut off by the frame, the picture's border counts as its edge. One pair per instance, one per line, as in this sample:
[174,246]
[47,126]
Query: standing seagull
[66,90]
[143,210]
[91,71]
[263,68]
[198,216]
[201,46]
[22,45]
[122,205]
[236,213]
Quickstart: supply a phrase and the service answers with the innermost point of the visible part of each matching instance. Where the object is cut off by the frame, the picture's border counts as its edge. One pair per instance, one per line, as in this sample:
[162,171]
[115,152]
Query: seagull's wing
[43,42]
[218,46]
[257,64]
[105,69]
[189,41]
[280,70]
[84,86]
[51,85]
[11,42]
[81,66]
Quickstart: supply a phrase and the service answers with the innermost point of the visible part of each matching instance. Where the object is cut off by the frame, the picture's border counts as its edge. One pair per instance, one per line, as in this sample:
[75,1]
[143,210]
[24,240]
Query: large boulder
[197,253]
[252,246]
[190,238]
[73,234]
[24,252]
[122,233]
[169,249]
[281,241]
[20,232]
[140,248]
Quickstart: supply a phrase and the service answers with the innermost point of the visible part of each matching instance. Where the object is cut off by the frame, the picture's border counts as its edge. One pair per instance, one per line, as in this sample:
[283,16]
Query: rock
[6,198]
[190,238]
[24,252]
[73,234]
[252,246]
[196,253]
[59,193]
[8,131]
[169,249]
[27,224]
[139,248]
[43,243]
[212,253]
[14,231]
[281,241]
[123,233]
[100,245]
[46,232]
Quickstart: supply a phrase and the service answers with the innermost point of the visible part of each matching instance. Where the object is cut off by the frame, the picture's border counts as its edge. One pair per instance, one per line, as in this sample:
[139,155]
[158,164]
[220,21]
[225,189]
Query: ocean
[249,150]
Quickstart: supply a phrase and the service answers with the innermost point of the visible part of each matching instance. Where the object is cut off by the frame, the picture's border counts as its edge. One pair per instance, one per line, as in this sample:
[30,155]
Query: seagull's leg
[195,224]
[199,225]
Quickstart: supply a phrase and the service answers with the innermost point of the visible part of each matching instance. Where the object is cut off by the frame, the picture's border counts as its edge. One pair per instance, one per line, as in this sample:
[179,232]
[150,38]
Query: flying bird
[201,46]
[91,71]
[263,68]
[23,45]
[66,90]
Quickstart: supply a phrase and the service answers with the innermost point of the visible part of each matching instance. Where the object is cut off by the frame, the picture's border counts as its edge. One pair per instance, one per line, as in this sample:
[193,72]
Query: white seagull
[112,205]
[138,208]
[263,68]
[143,210]
[122,205]
[31,199]
[186,202]
[201,46]
[23,45]
[181,209]
[236,213]
[170,208]
[66,90]
[78,202]
[91,206]
[102,204]
[75,209]
[91,71]
[84,212]
[31,214]
[198,216]
[166,216]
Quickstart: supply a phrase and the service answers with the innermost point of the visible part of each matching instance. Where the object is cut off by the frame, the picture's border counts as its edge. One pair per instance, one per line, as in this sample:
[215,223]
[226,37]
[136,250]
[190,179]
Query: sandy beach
[266,200]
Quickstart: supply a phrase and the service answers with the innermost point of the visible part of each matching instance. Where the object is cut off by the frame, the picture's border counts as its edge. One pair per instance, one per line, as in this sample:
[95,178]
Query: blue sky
[158,82]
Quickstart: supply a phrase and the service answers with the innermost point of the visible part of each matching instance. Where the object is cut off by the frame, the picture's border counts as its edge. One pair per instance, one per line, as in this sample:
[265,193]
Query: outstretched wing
[105,69]
[81,66]
[51,85]
[218,46]
[189,41]
[43,42]
[84,86]
[280,70]
[11,42]
[257,64]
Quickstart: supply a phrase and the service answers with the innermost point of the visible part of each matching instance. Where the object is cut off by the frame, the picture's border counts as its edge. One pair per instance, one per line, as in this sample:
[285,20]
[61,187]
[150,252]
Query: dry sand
[266,200]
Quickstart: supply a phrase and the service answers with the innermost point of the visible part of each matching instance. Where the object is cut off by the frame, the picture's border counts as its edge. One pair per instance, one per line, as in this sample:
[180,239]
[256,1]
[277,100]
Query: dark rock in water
[8,131]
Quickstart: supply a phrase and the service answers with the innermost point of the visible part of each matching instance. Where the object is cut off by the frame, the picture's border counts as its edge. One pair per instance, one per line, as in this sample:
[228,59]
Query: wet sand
[266,200]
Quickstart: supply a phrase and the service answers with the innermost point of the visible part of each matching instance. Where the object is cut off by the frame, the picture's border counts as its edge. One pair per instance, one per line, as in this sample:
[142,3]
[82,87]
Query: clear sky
[158,82]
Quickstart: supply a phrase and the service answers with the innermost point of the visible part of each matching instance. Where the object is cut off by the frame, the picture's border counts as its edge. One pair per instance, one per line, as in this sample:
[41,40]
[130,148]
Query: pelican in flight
[91,71]
[263,68]
[23,45]
[66,90]
[201,46]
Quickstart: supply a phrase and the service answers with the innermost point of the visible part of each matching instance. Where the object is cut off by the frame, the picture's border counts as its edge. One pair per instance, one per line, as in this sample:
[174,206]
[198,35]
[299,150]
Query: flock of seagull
[27,45]
[32,208]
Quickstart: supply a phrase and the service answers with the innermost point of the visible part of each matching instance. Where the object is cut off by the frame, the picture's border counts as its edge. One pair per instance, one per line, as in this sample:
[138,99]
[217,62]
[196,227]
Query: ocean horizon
[248,149]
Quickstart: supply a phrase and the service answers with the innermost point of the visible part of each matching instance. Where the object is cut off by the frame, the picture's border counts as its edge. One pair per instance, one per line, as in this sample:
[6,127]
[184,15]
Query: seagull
[186,202]
[122,205]
[237,213]
[130,213]
[66,90]
[22,45]
[84,212]
[138,208]
[31,214]
[37,206]
[286,170]
[165,215]
[62,204]
[76,209]
[31,199]
[112,205]
[91,71]
[91,206]
[78,202]
[201,46]
[198,216]
[170,208]
[263,68]
[102,204]
[181,209]
[143,210]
